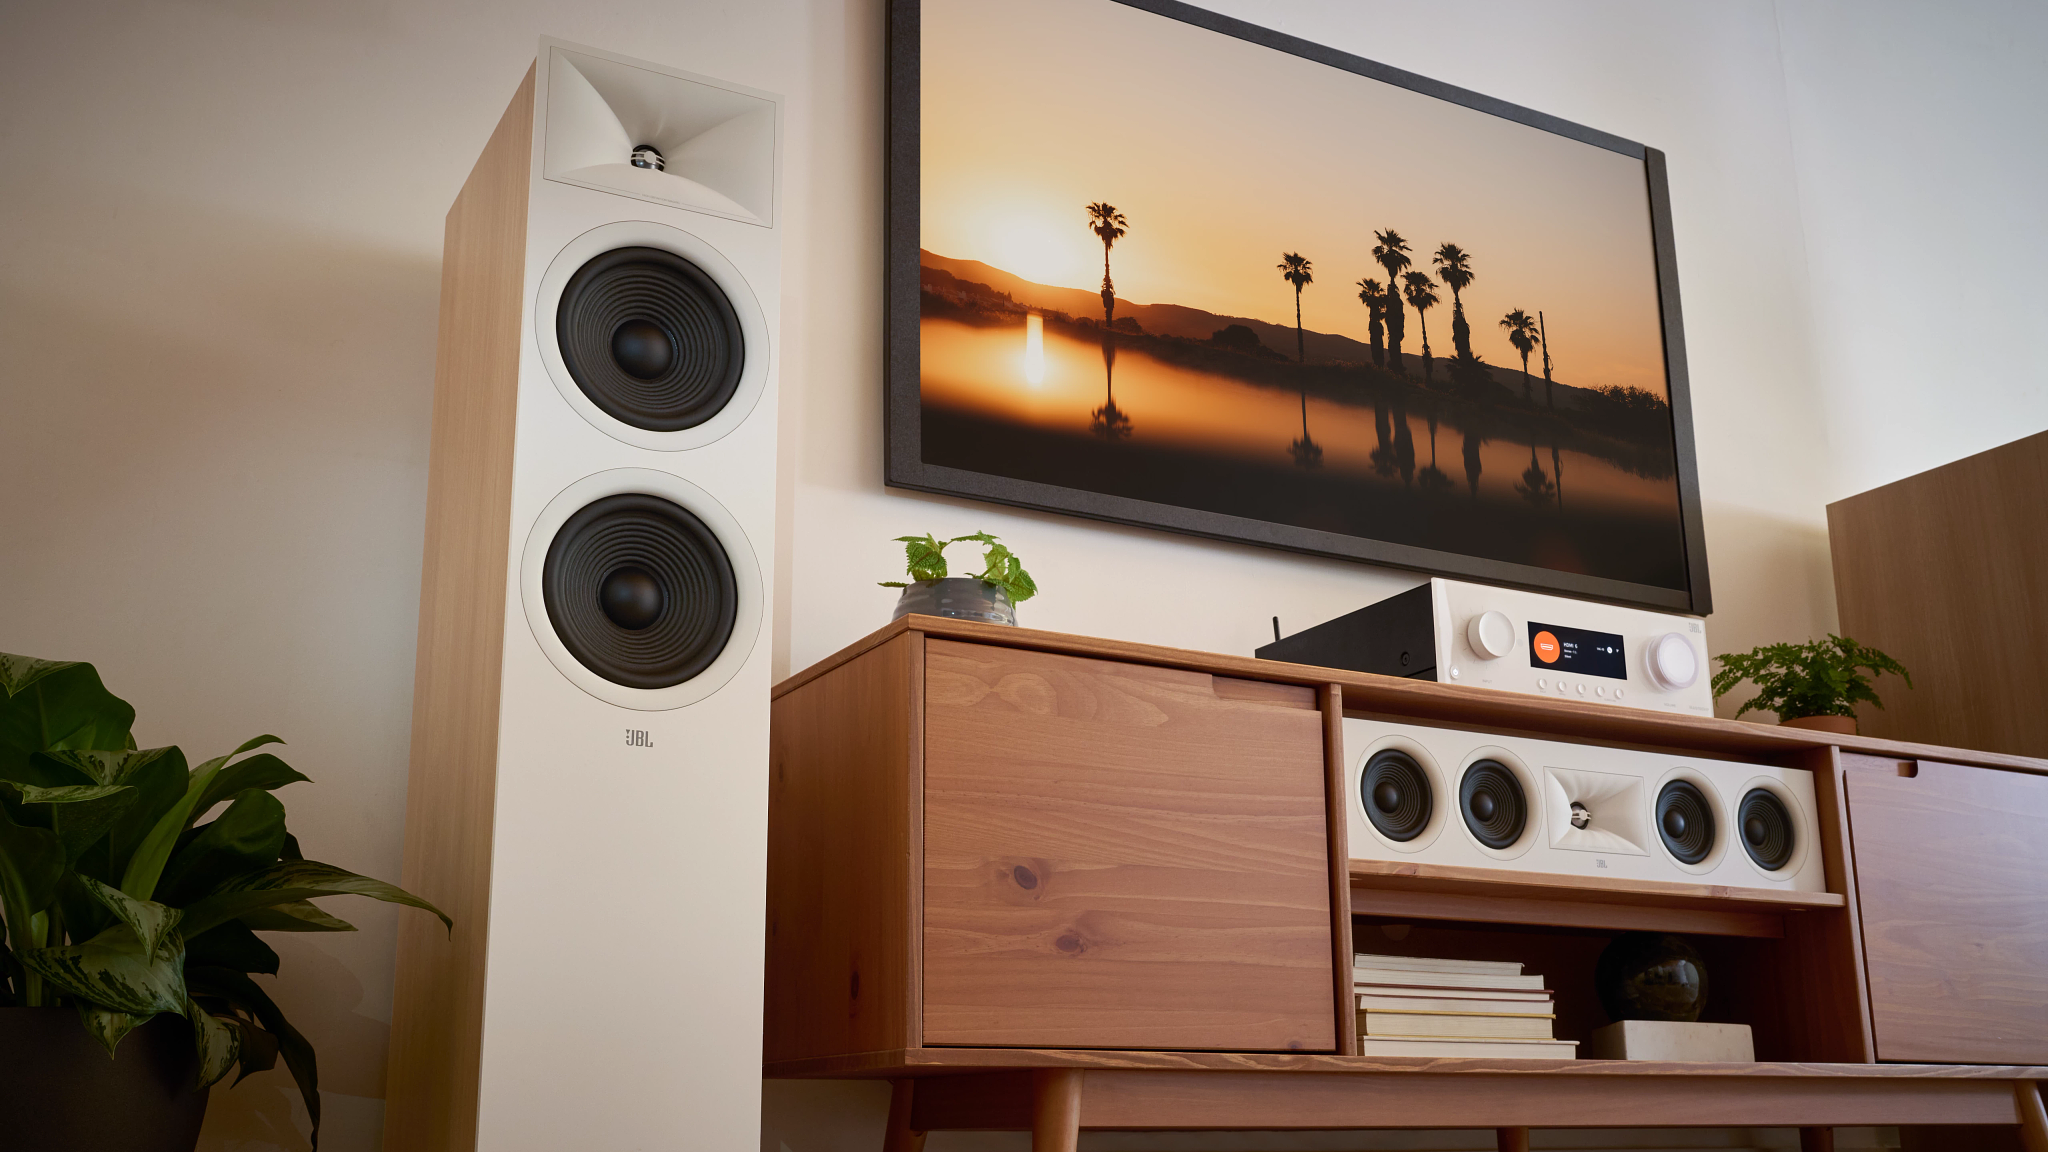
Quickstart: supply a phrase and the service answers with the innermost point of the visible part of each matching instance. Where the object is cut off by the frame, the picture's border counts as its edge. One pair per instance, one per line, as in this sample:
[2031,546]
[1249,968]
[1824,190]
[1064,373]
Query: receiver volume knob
[1491,634]
[1672,662]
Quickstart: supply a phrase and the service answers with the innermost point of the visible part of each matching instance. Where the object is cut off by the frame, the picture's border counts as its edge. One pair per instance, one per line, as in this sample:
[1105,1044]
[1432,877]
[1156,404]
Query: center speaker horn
[588,795]
[1470,799]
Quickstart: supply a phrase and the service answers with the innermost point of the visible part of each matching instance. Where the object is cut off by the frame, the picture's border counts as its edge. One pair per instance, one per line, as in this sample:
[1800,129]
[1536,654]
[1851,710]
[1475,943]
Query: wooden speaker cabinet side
[432,1084]
[1122,856]
[843,858]
[1330,698]
[1824,997]
[1952,873]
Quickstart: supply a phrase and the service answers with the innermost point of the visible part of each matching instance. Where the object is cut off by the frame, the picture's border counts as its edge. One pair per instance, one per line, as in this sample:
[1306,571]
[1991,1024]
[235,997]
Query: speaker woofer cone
[1685,821]
[650,338]
[639,590]
[1493,803]
[1766,828]
[1396,794]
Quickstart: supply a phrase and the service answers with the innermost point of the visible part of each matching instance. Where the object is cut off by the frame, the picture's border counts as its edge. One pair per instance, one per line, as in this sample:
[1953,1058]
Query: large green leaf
[291,880]
[31,865]
[79,813]
[151,922]
[113,971]
[106,766]
[106,1025]
[159,782]
[139,876]
[54,704]
[243,993]
[294,916]
[230,945]
[247,837]
[263,771]
[219,1043]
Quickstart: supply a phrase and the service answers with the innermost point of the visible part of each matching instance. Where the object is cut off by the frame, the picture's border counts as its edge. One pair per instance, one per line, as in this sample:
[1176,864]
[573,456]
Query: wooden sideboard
[1049,882]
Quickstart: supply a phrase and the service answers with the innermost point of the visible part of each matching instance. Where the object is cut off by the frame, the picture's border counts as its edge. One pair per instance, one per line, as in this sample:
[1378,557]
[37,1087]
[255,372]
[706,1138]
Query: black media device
[1395,637]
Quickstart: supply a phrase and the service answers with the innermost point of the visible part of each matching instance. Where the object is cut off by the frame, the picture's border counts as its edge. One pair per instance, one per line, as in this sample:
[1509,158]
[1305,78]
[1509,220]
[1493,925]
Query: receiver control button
[1672,662]
[1491,634]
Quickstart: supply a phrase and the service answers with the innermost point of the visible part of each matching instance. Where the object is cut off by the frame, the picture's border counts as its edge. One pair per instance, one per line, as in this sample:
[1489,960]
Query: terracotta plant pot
[960,597]
[1846,725]
[62,1094]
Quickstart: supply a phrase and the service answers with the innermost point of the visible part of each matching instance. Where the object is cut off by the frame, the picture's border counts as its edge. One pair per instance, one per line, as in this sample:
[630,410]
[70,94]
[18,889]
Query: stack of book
[1414,1006]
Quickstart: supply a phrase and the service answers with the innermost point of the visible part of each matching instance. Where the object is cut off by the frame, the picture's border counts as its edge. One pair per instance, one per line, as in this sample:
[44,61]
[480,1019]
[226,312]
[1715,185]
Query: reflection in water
[1383,452]
[1404,443]
[1432,478]
[1306,452]
[1535,485]
[1034,349]
[1473,441]
[1557,468]
[1109,421]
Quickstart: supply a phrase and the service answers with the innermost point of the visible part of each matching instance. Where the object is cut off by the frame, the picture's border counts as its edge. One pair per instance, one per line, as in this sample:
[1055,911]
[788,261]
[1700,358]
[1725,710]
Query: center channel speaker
[1436,795]
[590,710]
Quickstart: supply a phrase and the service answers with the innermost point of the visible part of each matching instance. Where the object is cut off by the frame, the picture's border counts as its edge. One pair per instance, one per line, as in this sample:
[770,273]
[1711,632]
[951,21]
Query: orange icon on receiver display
[1546,647]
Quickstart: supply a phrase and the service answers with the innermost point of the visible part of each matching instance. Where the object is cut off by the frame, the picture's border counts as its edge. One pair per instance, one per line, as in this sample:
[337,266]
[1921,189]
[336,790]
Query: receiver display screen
[1577,650]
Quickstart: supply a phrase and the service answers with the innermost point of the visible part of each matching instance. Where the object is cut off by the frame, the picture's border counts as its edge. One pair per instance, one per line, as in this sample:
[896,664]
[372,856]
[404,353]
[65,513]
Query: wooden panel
[1120,855]
[1948,572]
[1452,705]
[1823,1001]
[437,1008]
[1952,877]
[1331,701]
[842,852]
[1510,908]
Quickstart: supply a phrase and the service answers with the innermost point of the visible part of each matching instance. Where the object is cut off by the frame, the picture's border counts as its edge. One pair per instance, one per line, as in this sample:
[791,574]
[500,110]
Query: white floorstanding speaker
[588,795]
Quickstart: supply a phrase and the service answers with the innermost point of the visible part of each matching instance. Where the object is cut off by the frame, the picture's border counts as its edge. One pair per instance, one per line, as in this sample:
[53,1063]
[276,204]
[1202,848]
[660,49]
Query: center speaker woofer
[1767,829]
[1495,807]
[1685,821]
[1396,793]
[650,338]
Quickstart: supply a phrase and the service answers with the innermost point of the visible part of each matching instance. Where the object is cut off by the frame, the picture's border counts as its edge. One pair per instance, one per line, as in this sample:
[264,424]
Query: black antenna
[1276,629]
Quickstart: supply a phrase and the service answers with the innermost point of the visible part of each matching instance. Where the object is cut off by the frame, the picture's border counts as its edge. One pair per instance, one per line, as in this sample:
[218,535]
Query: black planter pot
[60,1093]
[960,597]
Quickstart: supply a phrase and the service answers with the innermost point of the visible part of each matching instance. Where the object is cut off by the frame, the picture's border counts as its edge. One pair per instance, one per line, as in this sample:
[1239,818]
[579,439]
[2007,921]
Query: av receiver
[1459,633]
[1444,796]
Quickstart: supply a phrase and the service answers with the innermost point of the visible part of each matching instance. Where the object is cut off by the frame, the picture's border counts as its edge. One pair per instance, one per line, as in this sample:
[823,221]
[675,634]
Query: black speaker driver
[650,338]
[1493,803]
[1397,794]
[1766,825]
[1685,821]
[640,591]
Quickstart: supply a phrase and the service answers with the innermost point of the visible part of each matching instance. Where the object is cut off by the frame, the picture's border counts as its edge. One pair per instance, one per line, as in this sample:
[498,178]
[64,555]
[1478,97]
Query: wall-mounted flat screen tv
[1152,265]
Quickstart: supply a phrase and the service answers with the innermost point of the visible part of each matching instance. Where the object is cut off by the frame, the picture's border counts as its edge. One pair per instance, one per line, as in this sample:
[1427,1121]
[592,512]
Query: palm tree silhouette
[1421,294]
[1392,254]
[1522,333]
[1374,298]
[1108,224]
[1298,271]
[1109,421]
[1454,268]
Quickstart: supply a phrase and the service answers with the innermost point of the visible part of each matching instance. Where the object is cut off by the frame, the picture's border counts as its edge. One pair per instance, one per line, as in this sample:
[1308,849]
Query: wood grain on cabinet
[1822,1006]
[1947,572]
[1120,855]
[843,848]
[438,1003]
[1952,879]
[1331,701]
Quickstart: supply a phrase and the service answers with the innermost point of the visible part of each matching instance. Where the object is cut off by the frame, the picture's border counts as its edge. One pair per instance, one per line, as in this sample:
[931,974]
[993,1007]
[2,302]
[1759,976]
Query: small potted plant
[992,596]
[1815,685]
[132,889]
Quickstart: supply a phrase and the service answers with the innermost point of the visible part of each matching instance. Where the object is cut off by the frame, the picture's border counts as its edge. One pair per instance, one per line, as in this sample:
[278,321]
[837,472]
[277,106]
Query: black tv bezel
[904,465]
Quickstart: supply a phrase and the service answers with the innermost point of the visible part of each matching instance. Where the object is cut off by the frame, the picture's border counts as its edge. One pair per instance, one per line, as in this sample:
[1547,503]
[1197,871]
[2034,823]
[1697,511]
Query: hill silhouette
[1200,324]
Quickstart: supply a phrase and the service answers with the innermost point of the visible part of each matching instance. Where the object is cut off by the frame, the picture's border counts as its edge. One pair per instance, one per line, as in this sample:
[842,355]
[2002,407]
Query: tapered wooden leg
[899,1137]
[2033,1119]
[1056,1110]
[1511,1139]
[1816,1140]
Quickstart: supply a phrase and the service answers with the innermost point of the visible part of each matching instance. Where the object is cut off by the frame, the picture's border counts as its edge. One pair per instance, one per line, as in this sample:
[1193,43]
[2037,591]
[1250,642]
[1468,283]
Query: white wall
[219,249]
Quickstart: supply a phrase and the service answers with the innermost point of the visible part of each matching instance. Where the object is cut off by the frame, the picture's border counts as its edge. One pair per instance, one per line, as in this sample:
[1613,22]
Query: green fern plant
[1824,678]
[924,558]
[121,900]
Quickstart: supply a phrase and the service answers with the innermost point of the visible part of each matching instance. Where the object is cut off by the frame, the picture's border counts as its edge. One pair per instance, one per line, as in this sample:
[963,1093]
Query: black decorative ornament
[640,591]
[1493,803]
[1650,976]
[650,338]
[1397,795]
